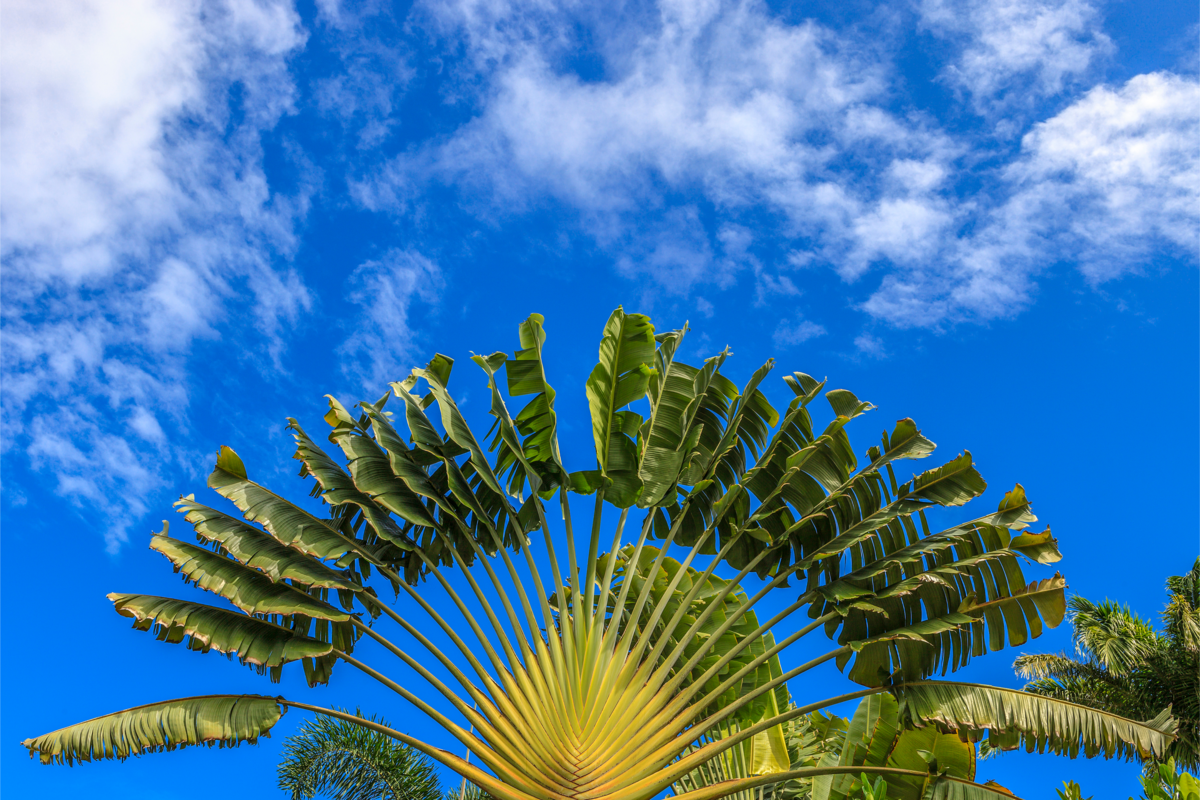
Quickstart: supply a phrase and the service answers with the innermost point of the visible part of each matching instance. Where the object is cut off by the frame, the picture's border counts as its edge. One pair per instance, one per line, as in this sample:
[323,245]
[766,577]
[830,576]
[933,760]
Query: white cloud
[379,347]
[703,116]
[1124,161]
[1106,184]
[1015,51]
[702,121]
[135,211]
[899,229]
[789,333]
[719,99]
[870,346]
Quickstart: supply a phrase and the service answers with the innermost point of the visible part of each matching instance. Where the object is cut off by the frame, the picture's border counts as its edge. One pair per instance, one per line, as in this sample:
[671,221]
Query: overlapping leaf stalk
[615,671]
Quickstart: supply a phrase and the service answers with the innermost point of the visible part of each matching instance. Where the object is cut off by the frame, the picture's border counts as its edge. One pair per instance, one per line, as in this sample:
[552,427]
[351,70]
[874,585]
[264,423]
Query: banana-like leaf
[254,641]
[928,748]
[475,500]
[912,594]
[808,739]
[260,550]
[675,391]
[950,639]
[951,484]
[621,376]
[537,421]
[370,470]
[748,431]
[340,488]
[869,740]
[1010,718]
[457,429]
[898,552]
[224,720]
[1041,547]
[248,589]
[287,522]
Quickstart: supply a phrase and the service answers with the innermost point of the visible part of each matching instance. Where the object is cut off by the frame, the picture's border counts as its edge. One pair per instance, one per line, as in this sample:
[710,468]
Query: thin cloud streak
[381,340]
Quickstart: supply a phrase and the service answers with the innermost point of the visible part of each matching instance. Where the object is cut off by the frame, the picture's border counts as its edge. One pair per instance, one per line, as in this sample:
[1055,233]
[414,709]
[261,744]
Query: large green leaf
[675,390]
[808,738]
[869,740]
[260,550]
[916,601]
[537,421]
[286,521]
[246,588]
[457,429]
[369,468]
[254,641]
[512,466]
[621,376]
[948,639]
[1010,718]
[747,433]
[224,720]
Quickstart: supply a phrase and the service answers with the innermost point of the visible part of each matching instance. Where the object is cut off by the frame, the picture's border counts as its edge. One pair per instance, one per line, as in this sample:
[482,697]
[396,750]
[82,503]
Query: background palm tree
[345,761]
[596,683]
[1124,665]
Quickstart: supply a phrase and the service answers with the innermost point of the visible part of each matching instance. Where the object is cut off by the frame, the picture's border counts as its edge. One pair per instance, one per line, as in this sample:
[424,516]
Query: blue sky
[982,215]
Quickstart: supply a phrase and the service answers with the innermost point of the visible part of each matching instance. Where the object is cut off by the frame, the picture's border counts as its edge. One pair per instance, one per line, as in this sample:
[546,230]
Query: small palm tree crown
[345,761]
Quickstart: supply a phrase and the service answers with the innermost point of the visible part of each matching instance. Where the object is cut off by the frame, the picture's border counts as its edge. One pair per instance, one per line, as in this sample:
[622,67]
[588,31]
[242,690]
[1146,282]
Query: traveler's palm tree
[1123,665]
[586,676]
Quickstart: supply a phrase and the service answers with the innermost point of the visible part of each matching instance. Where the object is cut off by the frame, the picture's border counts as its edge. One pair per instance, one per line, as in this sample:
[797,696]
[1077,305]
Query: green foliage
[344,761]
[1125,666]
[873,738]
[1165,783]
[873,791]
[467,791]
[1071,791]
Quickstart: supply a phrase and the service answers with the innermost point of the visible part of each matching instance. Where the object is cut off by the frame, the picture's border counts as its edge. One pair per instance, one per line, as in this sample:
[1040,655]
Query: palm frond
[345,761]
[224,720]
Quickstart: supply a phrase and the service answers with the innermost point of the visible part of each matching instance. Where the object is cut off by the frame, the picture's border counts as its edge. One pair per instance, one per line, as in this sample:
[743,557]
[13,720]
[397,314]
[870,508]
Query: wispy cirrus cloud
[136,212]
[380,340]
[798,331]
